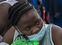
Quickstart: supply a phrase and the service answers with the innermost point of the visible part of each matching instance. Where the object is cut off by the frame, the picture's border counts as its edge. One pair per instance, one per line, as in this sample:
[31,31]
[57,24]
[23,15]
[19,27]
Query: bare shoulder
[57,29]
[57,35]
[9,35]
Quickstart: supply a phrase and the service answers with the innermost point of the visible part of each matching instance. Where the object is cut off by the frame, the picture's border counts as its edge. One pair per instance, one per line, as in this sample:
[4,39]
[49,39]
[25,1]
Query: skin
[3,17]
[57,35]
[8,37]
[32,25]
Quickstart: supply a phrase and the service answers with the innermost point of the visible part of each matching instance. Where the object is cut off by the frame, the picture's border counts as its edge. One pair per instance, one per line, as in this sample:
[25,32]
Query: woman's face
[29,23]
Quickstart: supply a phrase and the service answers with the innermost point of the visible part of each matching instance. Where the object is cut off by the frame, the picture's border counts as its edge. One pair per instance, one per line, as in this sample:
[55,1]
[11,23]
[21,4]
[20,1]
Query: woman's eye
[28,28]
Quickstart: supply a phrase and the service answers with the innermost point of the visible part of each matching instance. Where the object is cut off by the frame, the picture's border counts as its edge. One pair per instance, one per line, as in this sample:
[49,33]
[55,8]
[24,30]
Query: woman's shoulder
[8,37]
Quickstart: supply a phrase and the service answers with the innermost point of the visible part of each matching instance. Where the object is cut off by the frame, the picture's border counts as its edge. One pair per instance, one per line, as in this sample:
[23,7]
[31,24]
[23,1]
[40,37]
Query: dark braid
[17,10]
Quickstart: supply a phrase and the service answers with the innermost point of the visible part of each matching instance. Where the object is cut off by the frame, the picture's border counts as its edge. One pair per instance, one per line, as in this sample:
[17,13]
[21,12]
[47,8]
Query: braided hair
[17,10]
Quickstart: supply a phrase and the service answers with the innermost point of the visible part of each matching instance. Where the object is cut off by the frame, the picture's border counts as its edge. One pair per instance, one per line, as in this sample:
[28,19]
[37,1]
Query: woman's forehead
[28,21]
[28,16]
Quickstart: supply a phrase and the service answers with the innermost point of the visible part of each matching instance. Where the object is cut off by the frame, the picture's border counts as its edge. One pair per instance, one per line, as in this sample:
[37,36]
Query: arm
[57,35]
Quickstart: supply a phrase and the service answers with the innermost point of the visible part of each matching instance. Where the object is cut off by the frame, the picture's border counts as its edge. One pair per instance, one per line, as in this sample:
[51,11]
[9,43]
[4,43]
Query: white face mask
[38,36]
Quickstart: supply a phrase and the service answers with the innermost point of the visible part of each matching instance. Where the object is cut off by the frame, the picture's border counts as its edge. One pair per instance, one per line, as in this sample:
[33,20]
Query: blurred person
[4,24]
[4,17]
[3,21]
[32,28]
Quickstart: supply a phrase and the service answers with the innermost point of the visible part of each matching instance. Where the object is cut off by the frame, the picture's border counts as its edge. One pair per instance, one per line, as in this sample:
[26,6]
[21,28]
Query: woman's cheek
[34,30]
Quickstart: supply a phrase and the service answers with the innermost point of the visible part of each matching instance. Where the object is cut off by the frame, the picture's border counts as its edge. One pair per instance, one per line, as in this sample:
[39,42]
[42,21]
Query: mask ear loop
[17,29]
[22,35]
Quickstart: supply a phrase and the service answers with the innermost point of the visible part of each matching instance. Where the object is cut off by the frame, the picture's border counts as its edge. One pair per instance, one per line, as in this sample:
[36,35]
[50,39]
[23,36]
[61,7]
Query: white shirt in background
[11,2]
[3,43]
